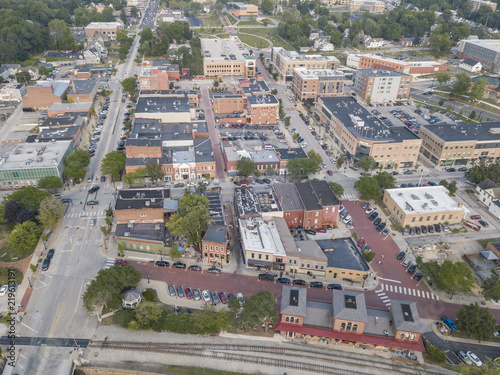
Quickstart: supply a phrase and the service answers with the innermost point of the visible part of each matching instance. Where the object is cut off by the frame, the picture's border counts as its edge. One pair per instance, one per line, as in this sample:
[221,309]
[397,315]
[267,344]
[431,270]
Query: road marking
[418,293]
[29,328]
[414,294]
[56,319]
[382,287]
[379,291]
[392,281]
[400,290]
[404,290]
[437,297]
[385,299]
[390,287]
[79,295]
[388,304]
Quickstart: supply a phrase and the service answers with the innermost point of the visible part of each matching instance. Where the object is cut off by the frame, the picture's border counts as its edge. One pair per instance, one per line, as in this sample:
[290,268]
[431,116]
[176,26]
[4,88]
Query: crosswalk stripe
[428,296]
[437,297]
[414,292]
[379,292]
[404,290]
[388,304]
[418,293]
[390,287]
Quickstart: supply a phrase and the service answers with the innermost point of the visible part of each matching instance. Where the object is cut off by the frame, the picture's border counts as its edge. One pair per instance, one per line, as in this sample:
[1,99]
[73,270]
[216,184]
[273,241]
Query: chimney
[187,129]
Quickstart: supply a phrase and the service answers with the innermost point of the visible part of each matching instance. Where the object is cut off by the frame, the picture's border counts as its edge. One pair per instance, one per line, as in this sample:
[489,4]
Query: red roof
[374,340]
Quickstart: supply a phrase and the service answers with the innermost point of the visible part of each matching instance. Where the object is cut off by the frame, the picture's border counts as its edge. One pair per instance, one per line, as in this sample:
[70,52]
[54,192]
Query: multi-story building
[68,128]
[242,11]
[263,109]
[485,51]
[214,245]
[309,84]
[284,62]
[82,91]
[425,205]
[193,97]
[228,103]
[183,149]
[335,2]
[291,204]
[476,4]
[451,144]
[226,57]
[488,193]
[253,86]
[172,70]
[367,6]
[347,320]
[266,161]
[287,154]
[44,94]
[382,85]
[27,163]
[370,61]
[358,133]
[110,29]
[261,244]
[168,109]
[306,258]
[63,109]
[141,206]
[153,79]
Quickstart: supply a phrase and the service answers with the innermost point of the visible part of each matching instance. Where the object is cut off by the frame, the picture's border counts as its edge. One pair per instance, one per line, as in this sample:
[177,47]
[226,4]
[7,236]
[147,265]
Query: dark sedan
[283,280]
[316,284]
[162,263]
[179,265]
[299,282]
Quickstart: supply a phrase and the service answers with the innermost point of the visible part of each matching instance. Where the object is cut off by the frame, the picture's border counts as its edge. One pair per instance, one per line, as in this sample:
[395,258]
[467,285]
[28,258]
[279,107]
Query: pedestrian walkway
[381,293]
[350,197]
[93,214]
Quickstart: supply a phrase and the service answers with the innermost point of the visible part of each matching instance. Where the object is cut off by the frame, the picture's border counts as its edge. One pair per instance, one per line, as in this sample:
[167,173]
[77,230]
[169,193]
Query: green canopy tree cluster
[481,172]
[476,321]
[113,164]
[50,183]
[246,166]
[51,210]
[450,276]
[75,165]
[305,167]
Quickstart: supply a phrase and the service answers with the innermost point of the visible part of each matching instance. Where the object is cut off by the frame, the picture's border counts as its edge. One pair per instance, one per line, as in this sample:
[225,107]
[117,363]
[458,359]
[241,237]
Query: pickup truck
[449,322]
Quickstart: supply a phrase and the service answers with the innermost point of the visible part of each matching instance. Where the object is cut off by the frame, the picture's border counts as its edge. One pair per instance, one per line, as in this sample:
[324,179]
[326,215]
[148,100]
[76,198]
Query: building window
[253,255]
[287,319]
[349,326]
[354,327]
[342,327]
[206,247]
[292,320]
[260,256]
[143,215]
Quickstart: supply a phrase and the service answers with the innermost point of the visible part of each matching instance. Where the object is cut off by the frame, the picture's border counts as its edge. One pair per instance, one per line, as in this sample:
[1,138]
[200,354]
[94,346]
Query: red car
[92,154]
[361,242]
[225,139]
[245,182]
[123,138]
[223,297]
[189,293]
[321,230]
[120,262]
[476,217]
[330,173]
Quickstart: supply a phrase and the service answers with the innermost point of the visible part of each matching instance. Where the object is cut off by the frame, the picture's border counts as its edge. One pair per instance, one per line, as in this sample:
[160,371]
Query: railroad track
[242,353]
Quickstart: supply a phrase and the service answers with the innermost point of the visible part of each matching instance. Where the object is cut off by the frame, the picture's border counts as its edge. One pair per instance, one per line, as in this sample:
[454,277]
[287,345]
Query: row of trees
[481,172]
[156,43]
[462,86]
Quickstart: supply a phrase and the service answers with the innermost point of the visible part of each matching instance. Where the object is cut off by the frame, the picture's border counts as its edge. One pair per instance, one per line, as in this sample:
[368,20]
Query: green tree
[246,166]
[443,78]
[485,369]
[266,6]
[106,289]
[259,308]
[450,186]
[60,35]
[193,218]
[29,197]
[147,313]
[472,115]
[441,102]
[154,172]
[461,84]
[79,156]
[287,121]
[476,321]
[491,288]
[434,353]
[385,180]
[477,90]
[24,237]
[134,12]
[74,170]
[368,187]
[340,161]
[368,255]
[43,70]
[123,17]
[129,84]
[51,210]
[337,189]
[174,253]
[139,175]
[216,83]
[440,44]
[481,171]
[366,163]
[113,164]
[269,170]
[450,276]
[23,77]
[281,109]
[50,182]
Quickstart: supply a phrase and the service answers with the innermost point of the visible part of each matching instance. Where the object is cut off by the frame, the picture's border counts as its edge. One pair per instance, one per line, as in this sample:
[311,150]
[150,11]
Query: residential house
[471,65]
[488,193]
[8,70]
[33,71]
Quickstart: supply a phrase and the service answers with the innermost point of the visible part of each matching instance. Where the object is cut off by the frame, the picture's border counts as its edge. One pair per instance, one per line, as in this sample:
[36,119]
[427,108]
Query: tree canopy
[461,84]
[154,172]
[113,164]
[476,321]
[367,163]
[50,182]
[259,308]
[305,167]
[337,189]
[129,84]
[108,286]
[385,180]
[368,187]
[245,166]
[193,218]
[450,276]
[481,172]
[51,210]
[29,197]
[24,237]
[491,288]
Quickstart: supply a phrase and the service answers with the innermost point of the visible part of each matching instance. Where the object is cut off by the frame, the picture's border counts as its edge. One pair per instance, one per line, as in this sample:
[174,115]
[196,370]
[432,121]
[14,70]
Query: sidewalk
[460,339]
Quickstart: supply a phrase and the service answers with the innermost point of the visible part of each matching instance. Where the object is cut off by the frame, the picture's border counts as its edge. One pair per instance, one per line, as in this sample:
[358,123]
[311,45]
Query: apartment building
[228,103]
[309,84]
[476,4]
[335,2]
[370,61]
[450,144]
[485,51]
[263,109]
[367,6]
[347,320]
[242,11]
[110,29]
[357,132]
[284,62]
[226,57]
[382,85]
[253,86]
[424,205]
[43,94]
[214,245]
[153,79]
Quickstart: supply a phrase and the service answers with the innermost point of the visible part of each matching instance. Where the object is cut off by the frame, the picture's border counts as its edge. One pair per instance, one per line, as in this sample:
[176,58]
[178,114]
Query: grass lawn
[4,276]
[465,336]
[211,21]
[268,33]
[254,41]
[477,106]
[5,229]
[181,370]
[485,242]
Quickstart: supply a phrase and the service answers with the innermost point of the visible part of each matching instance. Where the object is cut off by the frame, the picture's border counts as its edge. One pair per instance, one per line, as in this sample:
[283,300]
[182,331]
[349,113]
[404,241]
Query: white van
[268,147]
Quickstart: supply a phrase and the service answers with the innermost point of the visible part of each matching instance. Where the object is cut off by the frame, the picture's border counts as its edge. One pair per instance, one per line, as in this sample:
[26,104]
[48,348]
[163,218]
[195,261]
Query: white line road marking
[418,293]
[428,296]
[379,291]
[437,297]
[414,292]
[392,281]
[388,304]
[404,290]
[390,287]
[29,328]
[400,290]
[385,299]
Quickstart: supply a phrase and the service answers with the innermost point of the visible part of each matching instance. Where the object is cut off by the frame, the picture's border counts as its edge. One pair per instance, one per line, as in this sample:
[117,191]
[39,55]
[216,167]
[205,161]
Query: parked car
[162,263]
[464,357]
[45,264]
[334,286]
[180,291]
[266,277]
[179,265]
[214,270]
[406,262]
[194,268]
[365,205]
[463,169]
[215,297]
[92,203]
[321,230]
[50,253]
[189,293]
[283,280]
[206,296]
[380,227]
[377,221]
[400,255]
[298,282]
[411,269]
[196,294]
[369,210]
[3,290]
[418,230]
[316,284]
[385,232]
[171,291]
[484,223]
[361,242]
[373,216]
[412,231]
[475,217]
[417,276]
[311,232]
[430,228]
[451,170]
[424,229]
[437,228]
[223,297]
[449,322]
[474,358]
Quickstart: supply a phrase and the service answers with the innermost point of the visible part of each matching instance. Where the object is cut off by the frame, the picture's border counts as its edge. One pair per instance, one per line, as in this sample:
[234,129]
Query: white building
[471,65]
[353,60]
[382,85]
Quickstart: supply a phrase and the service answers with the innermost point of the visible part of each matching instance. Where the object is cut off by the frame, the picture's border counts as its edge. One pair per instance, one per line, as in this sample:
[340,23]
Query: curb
[459,339]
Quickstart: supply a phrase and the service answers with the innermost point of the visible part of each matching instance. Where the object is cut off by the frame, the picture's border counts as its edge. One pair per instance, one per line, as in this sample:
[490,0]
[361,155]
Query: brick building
[214,245]
[370,61]
[82,91]
[309,84]
[367,6]
[228,103]
[485,51]
[44,94]
[226,57]
[153,79]
[140,206]
[242,11]
[109,29]
[382,85]
[65,109]
[263,109]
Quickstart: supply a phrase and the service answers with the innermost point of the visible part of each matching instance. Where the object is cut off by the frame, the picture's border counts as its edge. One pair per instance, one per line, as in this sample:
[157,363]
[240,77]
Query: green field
[254,41]
[268,33]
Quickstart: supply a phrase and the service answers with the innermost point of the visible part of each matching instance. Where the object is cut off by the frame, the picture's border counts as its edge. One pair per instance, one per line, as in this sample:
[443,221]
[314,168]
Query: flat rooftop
[258,235]
[291,153]
[55,133]
[220,49]
[82,86]
[159,104]
[34,155]
[103,25]
[247,201]
[268,201]
[343,253]
[308,250]
[262,99]
[481,132]
[492,44]
[143,231]
[265,156]
[323,74]
[215,207]
[381,73]
[70,107]
[288,197]
[295,56]
[58,87]
[383,58]
[363,124]
[251,85]
[424,199]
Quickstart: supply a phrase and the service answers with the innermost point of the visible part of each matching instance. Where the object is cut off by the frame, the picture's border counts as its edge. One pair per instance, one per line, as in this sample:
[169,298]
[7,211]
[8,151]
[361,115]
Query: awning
[256,262]
[489,255]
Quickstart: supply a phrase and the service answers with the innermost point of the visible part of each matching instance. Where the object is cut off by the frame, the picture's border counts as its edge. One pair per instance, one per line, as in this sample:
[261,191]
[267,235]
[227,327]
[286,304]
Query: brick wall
[40,97]
[144,215]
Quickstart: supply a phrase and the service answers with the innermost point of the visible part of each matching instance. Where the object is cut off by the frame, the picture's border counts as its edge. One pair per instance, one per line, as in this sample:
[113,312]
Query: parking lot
[252,135]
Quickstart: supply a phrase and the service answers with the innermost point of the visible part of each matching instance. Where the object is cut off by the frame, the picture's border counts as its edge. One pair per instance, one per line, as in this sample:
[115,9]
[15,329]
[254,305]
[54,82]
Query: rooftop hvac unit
[126,234]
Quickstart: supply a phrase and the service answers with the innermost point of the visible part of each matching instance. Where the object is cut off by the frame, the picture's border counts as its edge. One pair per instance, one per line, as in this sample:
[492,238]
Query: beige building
[242,11]
[107,28]
[367,6]
[226,57]
[357,131]
[309,84]
[423,205]
[476,4]
[284,62]
[335,2]
[450,144]
[382,85]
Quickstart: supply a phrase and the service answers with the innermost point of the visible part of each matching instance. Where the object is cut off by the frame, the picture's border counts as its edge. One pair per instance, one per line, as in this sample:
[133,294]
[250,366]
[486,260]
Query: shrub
[149,295]
[124,317]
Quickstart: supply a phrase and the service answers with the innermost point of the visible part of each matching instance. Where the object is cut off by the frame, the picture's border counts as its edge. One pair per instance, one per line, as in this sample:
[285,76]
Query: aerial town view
[263,187]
